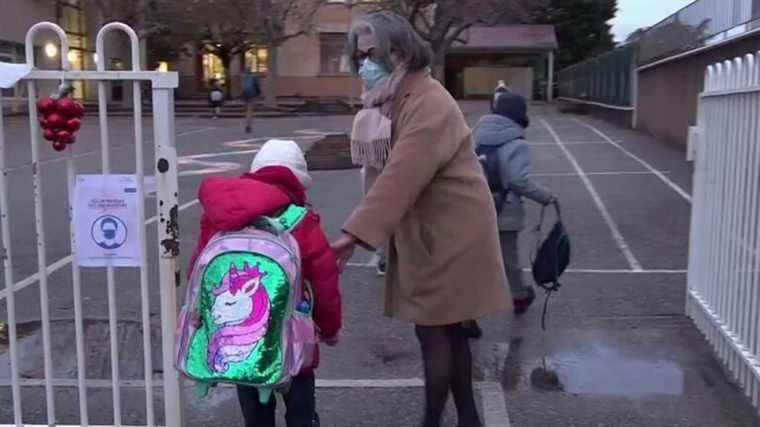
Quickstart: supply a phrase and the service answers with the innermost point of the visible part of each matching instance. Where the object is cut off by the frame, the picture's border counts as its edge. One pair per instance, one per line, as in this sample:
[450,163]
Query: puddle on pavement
[597,367]
[604,370]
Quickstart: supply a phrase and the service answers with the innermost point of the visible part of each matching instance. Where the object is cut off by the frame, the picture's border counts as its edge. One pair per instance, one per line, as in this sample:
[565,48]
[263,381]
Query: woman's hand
[344,249]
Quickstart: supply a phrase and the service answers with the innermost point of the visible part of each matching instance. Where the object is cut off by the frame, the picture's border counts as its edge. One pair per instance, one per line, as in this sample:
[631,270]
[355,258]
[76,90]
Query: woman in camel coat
[431,203]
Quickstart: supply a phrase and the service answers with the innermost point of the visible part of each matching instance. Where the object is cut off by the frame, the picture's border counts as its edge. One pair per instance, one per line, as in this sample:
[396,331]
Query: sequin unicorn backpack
[247,318]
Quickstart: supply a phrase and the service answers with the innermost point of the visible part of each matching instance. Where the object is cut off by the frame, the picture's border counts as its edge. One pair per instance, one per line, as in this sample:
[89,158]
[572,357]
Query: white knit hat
[278,152]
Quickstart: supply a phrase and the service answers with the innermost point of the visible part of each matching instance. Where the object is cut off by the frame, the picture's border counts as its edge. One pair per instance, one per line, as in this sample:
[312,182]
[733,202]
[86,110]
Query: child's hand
[330,341]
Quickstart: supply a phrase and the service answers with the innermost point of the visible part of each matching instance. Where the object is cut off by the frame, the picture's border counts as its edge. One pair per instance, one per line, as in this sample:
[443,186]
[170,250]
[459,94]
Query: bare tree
[275,22]
[217,27]
[442,22]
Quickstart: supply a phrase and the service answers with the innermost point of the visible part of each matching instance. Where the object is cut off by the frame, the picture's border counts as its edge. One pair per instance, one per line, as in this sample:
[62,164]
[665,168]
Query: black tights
[448,366]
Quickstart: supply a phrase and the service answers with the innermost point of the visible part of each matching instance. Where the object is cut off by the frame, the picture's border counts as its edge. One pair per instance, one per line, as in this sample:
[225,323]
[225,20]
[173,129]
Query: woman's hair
[392,33]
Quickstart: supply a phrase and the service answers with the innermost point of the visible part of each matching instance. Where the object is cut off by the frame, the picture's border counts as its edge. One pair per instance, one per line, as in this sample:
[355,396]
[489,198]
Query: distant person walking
[216,98]
[429,204]
[501,87]
[502,134]
[251,91]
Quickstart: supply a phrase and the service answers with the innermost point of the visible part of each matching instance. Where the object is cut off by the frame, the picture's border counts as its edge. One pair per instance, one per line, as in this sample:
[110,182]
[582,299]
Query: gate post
[168,243]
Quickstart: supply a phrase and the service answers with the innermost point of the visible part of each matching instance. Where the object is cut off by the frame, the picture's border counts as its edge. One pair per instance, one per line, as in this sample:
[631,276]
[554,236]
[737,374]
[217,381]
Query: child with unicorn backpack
[263,289]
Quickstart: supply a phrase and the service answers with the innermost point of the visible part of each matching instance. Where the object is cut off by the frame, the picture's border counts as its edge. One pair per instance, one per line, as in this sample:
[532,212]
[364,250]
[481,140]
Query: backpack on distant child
[247,317]
[488,155]
[216,96]
[251,86]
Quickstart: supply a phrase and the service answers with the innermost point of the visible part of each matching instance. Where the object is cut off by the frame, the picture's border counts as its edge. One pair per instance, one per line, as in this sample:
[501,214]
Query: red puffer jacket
[232,203]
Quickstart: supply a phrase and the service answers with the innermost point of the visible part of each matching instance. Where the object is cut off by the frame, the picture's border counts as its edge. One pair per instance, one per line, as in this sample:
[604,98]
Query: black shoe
[471,329]
[381,267]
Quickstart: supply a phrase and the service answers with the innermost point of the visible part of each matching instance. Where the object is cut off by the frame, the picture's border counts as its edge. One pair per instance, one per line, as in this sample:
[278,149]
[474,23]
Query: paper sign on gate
[107,221]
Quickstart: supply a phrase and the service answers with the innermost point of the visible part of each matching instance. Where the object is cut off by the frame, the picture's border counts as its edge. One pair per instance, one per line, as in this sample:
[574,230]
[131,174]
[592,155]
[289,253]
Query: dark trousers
[299,402]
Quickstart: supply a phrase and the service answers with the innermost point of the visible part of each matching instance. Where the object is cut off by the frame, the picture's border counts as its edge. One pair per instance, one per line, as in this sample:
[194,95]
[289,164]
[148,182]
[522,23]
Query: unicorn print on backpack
[241,310]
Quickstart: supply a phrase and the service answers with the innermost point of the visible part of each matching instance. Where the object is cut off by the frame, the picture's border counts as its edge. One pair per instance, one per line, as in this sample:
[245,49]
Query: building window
[256,59]
[334,55]
[213,68]
[72,19]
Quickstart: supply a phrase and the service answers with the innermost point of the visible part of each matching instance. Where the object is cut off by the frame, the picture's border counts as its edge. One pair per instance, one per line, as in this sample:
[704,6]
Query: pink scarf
[371,134]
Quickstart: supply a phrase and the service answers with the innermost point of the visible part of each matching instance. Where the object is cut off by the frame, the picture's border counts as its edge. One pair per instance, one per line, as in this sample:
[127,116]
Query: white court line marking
[89,153]
[321,383]
[240,143]
[621,271]
[571,270]
[222,154]
[374,260]
[492,397]
[619,239]
[567,143]
[52,268]
[494,405]
[65,425]
[190,132]
[681,192]
[611,173]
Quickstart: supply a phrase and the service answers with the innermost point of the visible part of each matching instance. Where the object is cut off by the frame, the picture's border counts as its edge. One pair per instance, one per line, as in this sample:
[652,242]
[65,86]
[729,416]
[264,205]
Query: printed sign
[107,221]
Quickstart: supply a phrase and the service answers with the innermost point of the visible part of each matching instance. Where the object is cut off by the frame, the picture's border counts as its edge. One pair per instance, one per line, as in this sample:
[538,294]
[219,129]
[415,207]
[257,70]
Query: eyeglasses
[360,56]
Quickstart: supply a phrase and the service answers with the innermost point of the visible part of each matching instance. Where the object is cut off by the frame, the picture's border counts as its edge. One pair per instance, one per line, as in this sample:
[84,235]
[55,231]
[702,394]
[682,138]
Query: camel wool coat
[432,203]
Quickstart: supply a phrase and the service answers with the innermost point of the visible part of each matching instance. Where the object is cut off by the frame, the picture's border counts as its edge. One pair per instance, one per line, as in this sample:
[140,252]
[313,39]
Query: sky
[634,14]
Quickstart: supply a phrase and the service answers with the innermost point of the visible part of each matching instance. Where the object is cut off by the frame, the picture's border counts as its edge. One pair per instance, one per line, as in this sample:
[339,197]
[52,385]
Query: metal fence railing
[153,389]
[724,249]
[606,78]
[696,25]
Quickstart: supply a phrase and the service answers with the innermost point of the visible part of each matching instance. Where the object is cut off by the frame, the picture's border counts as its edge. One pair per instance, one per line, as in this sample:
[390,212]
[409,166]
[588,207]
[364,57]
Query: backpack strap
[292,216]
[287,220]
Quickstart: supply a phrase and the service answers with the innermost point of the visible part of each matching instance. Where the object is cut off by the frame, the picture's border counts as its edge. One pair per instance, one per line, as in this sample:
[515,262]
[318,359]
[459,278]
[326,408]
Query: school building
[314,65]
[317,65]
[17,16]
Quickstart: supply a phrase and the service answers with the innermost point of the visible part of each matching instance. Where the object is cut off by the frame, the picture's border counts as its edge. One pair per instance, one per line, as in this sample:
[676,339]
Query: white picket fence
[724,263]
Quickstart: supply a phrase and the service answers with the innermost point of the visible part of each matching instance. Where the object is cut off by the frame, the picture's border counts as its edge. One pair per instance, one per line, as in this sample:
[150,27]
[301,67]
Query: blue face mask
[371,73]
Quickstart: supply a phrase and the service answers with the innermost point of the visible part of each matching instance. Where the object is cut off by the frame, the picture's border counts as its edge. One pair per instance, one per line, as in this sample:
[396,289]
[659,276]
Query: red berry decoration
[55,121]
[78,110]
[46,105]
[66,107]
[43,122]
[59,145]
[64,136]
[73,125]
[49,134]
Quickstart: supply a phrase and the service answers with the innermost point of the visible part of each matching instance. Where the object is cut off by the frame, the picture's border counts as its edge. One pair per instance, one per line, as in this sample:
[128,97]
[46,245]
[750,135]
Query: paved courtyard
[617,337]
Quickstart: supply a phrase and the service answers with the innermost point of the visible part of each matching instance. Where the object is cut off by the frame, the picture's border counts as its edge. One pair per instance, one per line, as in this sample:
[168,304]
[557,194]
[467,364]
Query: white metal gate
[724,262]
[162,85]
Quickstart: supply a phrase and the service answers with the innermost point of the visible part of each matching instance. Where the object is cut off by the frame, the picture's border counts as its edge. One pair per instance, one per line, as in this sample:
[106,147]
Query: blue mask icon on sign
[108,226]
[109,232]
